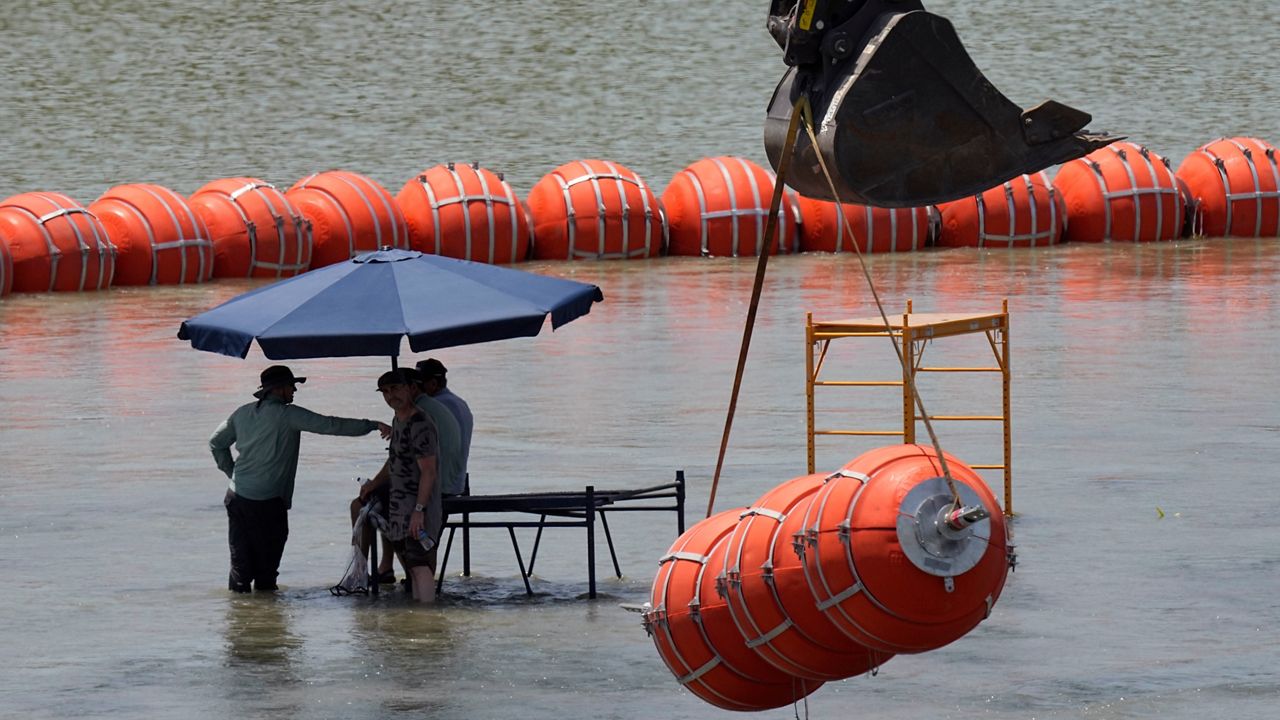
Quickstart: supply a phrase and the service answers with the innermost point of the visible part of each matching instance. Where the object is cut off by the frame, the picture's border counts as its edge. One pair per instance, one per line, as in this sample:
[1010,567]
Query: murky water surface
[1143,376]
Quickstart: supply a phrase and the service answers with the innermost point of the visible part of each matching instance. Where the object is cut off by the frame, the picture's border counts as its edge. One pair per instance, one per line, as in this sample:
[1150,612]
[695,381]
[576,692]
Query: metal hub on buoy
[938,537]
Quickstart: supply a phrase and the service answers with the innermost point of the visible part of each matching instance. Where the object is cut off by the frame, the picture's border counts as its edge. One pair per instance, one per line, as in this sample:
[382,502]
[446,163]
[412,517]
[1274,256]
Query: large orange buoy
[696,638]
[720,207]
[466,212]
[875,229]
[1120,193]
[6,267]
[594,209]
[256,231]
[349,214]
[56,244]
[1236,182]
[755,571]
[892,562]
[159,239]
[1024,212]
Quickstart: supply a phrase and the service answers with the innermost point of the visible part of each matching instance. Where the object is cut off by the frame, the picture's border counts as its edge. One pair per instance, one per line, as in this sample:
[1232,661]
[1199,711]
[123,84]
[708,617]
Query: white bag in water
[355,581]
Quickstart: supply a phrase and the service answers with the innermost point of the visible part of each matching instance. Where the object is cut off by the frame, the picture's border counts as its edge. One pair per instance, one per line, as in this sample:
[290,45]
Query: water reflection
[409,652]
[259,637]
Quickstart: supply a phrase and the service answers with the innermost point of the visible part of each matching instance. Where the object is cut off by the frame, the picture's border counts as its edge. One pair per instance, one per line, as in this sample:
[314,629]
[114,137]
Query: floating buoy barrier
[159,239]
[691,626]
[255,230]
[761,568]
[827,577]
[1024,212]
[56,244]
[6,267]
[465,212]
[875,229]
[349,214]
[1236,185]
[719,207]
[892,562]
[595,209]
[1121,193]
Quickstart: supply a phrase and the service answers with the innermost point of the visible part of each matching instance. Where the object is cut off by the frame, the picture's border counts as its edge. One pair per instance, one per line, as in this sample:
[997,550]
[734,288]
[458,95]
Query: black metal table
[573,508]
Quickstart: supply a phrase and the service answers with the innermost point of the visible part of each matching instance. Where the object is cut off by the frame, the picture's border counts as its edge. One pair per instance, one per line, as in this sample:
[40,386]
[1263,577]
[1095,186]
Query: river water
[1144,389]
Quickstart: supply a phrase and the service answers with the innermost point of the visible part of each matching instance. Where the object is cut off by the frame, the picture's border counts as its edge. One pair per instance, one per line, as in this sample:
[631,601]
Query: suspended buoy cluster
[827,577]
[142,234]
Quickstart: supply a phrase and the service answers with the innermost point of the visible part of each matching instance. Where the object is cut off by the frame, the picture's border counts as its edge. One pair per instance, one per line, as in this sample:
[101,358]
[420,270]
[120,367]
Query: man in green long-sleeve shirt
[267,434]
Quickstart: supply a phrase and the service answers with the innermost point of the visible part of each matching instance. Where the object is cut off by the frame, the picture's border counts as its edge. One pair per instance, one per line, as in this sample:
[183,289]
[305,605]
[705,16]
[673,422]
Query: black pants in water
[257,531]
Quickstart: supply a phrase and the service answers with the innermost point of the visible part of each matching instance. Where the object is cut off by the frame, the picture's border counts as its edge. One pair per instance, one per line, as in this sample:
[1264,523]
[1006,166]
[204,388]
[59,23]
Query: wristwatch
[418,508]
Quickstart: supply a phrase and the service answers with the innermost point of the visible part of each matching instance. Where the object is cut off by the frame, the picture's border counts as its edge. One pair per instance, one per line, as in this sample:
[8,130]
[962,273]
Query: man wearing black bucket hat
[267,434]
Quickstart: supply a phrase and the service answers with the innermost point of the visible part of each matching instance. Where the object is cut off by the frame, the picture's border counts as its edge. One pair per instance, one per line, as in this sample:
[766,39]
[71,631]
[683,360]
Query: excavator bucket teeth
[911,121]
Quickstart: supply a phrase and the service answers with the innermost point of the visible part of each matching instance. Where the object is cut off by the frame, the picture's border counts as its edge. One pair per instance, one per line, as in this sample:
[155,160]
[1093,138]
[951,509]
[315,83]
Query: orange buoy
[1120,193]
[55,244]
[594,209]
[696,638]
[892,562]
[1236,183]
[255,230]
[6,267]
[159,239]
[875,229]
[753,575]
[720,207]
[1024,212]
[466,212]
[349,214]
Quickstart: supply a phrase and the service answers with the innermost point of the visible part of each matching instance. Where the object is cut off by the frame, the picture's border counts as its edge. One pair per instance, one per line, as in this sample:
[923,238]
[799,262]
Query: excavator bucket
[904,118]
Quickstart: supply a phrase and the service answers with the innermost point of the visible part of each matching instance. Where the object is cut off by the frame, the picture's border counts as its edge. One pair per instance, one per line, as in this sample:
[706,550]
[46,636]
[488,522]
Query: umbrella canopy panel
[366,305]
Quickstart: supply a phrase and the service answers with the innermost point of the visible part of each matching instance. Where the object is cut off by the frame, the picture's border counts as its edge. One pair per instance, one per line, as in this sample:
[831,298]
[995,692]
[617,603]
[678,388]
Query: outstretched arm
[307,421]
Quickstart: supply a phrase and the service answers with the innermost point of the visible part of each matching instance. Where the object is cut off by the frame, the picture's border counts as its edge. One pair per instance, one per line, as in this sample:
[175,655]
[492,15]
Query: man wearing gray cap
[435,384]
[267,435]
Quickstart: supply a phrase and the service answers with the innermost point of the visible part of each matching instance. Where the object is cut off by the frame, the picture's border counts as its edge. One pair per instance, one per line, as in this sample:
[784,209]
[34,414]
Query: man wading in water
[414,517]
[267,434]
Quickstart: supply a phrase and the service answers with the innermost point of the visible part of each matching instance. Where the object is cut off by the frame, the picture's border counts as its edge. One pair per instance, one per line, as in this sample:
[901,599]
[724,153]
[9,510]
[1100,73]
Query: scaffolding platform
[913,331]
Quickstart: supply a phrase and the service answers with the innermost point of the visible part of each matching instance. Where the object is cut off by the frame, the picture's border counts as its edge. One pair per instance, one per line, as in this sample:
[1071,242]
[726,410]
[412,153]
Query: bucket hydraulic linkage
[903,117]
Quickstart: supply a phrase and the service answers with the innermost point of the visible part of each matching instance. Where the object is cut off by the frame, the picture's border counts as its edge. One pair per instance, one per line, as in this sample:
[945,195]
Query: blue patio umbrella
[366,305]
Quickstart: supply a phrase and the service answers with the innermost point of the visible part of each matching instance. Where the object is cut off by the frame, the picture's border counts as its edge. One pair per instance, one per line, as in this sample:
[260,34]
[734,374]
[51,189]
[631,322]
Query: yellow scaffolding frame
[913,331]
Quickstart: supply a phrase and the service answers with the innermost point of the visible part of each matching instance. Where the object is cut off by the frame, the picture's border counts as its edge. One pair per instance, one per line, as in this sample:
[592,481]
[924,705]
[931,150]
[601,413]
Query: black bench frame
[566,508]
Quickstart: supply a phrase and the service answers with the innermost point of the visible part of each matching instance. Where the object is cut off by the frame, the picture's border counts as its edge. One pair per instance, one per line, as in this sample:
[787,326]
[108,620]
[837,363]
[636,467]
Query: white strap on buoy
[840,597]
[765,512]
[767,637]
[692,557]
[842,473]
[706,668]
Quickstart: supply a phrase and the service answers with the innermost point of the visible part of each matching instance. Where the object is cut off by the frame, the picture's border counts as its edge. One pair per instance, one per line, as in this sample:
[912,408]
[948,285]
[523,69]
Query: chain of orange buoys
[141,234]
